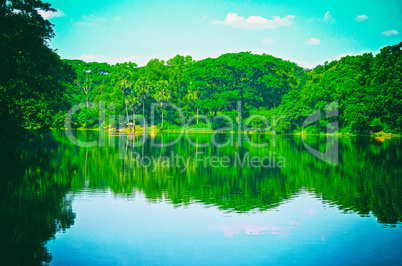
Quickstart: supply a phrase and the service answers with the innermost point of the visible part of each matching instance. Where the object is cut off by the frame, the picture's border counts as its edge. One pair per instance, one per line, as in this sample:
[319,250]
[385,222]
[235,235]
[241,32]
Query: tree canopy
[32,77]
[366,88]
[38,88]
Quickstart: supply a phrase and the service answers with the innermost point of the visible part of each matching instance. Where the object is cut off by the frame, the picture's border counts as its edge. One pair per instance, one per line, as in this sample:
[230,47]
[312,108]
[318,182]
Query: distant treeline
[38,88]
[223,86]
[368,90]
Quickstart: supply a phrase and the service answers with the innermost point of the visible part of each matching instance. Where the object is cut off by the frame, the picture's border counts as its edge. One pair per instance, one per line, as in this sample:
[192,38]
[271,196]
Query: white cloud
[139,60]
[268,40]
[328,17]
[90,21]
[390,33]
[50,15]
[254,22]
[313,41]
[361,18]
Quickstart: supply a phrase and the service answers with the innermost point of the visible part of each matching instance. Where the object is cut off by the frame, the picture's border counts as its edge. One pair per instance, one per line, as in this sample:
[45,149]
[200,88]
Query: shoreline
[172,131]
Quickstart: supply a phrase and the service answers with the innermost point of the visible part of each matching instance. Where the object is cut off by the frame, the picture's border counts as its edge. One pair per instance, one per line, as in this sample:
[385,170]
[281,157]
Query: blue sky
[306,32]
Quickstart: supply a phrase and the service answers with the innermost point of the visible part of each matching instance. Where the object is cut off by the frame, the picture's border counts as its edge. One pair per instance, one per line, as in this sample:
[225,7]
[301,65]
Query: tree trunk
[125,99]
[87,100]
[134,121]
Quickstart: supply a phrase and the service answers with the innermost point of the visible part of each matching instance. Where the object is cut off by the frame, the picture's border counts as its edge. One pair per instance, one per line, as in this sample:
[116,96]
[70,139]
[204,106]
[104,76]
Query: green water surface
[192,202]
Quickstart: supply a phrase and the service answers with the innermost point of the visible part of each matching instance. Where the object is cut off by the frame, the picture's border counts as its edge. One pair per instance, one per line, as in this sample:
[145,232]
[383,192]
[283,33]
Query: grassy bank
[154,129]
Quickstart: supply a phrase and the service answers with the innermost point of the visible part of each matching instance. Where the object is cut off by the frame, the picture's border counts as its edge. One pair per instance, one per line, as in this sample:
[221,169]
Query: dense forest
[33,78]
[38,87]
[367,88]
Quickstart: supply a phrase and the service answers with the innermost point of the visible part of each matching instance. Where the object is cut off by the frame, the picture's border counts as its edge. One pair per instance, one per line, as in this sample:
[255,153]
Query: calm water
[123,204]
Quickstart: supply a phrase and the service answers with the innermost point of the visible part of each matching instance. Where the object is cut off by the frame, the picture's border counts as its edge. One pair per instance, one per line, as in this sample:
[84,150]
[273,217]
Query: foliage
[33,77]
[367,88]
[38,88]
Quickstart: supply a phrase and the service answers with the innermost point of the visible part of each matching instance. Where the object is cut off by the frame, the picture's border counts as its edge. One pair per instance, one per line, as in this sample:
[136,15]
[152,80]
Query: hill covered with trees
[38,88]
[367,89]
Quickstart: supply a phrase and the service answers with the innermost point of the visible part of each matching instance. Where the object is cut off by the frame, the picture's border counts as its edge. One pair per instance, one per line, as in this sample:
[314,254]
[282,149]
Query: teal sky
[306,32]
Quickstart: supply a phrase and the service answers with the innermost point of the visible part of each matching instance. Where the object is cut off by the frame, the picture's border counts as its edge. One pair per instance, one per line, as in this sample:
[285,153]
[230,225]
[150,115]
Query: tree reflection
[36,180]
[366,179]
[33,204]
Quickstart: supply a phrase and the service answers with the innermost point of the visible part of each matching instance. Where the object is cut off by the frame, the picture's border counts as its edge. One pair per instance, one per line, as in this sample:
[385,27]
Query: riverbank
[155,130]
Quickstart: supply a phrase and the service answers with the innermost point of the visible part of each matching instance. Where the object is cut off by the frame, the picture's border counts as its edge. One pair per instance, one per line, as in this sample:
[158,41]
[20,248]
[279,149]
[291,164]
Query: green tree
[177,68]
[142,89]
[252,80]
[134,102]
[386,81]
[85,85]
[192,97]
[33,77]
[162,94]
[123,76]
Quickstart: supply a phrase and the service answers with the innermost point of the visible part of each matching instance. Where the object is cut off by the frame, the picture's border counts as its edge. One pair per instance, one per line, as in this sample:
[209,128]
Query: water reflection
[39,181]
[366,180]
[33,203]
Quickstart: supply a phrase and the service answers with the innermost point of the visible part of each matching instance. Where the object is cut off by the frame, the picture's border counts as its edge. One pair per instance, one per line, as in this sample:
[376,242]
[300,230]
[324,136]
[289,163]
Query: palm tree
[142,88]
[162,94]
[134,102]
[125,85]
[122,77]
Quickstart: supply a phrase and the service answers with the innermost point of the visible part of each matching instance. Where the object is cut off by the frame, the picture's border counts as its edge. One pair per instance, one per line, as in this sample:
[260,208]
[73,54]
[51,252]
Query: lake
[249,199]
